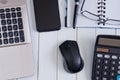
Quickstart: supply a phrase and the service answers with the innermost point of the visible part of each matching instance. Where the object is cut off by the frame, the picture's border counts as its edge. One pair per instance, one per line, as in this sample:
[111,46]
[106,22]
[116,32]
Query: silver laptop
[16,59]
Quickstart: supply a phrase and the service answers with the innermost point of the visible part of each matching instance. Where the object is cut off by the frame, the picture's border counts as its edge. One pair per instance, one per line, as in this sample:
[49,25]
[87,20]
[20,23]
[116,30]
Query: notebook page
[113,9]
[91,6]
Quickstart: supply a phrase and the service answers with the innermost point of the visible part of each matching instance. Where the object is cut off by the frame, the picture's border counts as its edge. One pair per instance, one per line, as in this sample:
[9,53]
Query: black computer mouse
[73,62]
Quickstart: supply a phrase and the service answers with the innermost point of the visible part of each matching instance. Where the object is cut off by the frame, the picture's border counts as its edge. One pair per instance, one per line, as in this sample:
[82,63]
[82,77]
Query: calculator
[106,61]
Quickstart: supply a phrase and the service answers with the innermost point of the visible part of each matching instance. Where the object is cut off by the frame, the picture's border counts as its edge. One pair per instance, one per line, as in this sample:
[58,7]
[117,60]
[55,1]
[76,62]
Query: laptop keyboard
[11,29]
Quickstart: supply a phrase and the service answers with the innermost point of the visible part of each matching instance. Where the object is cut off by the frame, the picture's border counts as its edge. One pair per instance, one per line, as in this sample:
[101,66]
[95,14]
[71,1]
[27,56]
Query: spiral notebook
[107,10]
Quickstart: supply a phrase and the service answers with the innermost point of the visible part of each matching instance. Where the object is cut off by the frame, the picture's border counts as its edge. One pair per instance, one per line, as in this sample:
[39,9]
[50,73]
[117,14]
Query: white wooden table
[47,57]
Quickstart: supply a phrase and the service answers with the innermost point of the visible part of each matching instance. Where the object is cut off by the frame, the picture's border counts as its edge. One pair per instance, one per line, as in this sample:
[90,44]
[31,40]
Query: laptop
[16,58]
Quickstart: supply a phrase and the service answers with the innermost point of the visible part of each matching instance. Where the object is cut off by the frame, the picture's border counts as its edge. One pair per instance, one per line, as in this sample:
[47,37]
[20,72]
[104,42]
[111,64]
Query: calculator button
[8,15]
[3,22]
[106,61]
[18,9]
[22,39]
[118,62]
[15,27]
[118,77]
[119,57]
[99,55]
[119,67]
[10,34]
[97,78]
[16,33]
[5,41]
[7,10]
[16,39]
[2,16]
[4,28]
[97,72]
[104,73]
[13,15]
[20,23]
[9,28]
[113,68]
[19,14]
[118,71]
[11,40]
[12,9]
[112,74]
[113,62]
[107,56]
[9,21]
[5,35]
[98,66]
[14,21]
[114,57]
[105,67]
[21,33]
[99,61]
[1,10]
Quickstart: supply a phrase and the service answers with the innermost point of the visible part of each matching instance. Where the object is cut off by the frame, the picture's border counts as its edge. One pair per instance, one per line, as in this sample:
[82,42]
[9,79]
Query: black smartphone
[106,61]
[47,15]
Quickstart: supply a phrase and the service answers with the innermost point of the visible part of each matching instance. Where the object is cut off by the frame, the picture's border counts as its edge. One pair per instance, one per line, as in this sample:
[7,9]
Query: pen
[66,9]
[75,12]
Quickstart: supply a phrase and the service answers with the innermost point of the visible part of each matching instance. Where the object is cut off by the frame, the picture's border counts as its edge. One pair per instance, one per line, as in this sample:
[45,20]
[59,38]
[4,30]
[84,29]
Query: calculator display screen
[109,42]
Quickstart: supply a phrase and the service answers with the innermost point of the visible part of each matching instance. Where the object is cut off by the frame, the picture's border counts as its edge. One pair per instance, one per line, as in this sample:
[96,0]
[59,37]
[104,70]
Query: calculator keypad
[107,67]
[11,28]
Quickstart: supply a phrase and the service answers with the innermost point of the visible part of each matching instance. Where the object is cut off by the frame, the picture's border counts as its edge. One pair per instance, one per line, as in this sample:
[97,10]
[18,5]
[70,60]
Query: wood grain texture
[48,55]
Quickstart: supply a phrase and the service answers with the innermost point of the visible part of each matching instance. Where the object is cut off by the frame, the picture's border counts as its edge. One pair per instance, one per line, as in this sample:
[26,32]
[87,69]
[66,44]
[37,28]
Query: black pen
[66,9]
[75,12]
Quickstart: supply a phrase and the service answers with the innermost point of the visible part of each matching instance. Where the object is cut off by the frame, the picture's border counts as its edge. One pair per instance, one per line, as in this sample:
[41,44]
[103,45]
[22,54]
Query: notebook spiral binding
[101,11]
